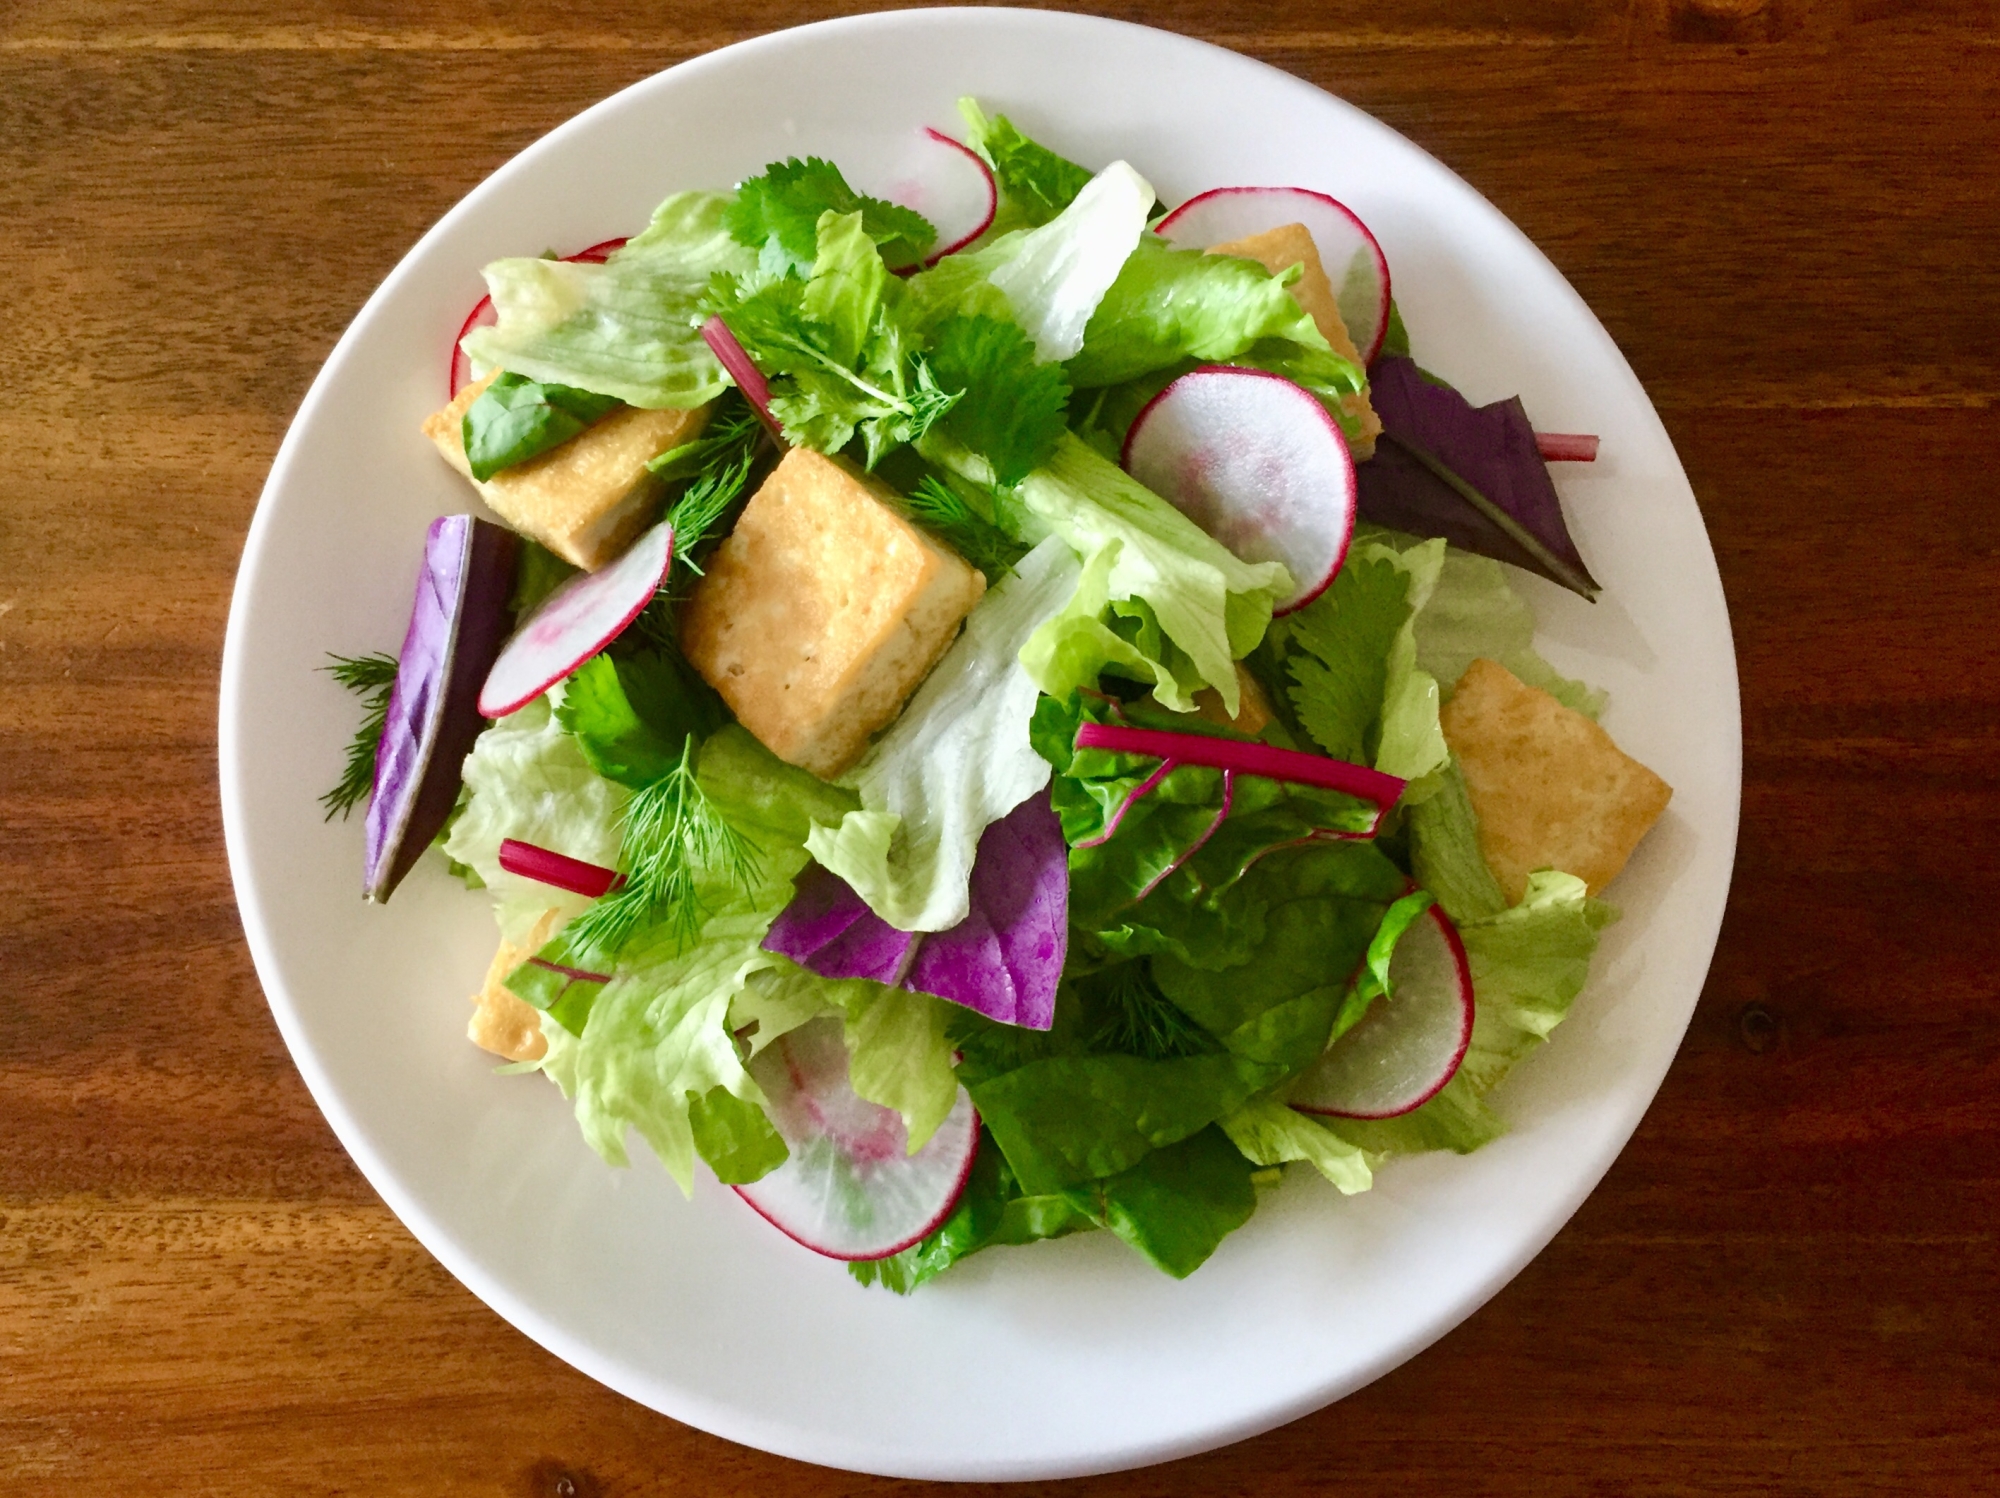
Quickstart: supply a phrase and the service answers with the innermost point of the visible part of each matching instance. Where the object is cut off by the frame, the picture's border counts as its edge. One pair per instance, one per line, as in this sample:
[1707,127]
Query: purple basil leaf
[828,929]
[1003,960]
[1491,448]
[457,624]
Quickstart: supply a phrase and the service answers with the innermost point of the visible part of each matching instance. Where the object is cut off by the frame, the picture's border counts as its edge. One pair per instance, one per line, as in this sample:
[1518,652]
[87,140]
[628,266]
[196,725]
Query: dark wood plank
[1788,1280]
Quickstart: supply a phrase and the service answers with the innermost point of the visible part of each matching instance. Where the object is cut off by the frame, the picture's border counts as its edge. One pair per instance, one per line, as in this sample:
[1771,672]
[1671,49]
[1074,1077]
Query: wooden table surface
[1785,211]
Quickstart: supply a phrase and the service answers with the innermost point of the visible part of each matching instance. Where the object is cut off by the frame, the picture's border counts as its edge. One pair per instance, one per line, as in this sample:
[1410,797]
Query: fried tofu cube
[1550,788]
[501,1022]
[586,500]
[1289,245]
[822,611]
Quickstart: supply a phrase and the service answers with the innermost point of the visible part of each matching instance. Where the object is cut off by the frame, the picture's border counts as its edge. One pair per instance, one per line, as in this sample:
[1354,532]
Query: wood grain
[1784,211]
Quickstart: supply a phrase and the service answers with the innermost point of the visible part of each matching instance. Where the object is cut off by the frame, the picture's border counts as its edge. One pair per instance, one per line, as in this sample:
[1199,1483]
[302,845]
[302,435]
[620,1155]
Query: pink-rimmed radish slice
[1566,447]
[740,367]
[546,866]
[1412,1039]
[1353,261]
[947,183]
[575,622]
[482,315]
[850,1189]
[1255,461]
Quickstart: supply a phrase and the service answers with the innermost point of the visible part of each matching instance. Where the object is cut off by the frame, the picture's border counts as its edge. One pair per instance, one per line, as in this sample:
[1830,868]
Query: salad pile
[998,713]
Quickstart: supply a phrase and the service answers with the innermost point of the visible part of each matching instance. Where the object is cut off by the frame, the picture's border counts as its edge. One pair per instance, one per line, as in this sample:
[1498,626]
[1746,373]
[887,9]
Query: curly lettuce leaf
[1057,274]
[957,760]
[1168,306]
[1270,1133]
[528,779]
[1035,183]
[629,328]
[1528,965]
[1212,605]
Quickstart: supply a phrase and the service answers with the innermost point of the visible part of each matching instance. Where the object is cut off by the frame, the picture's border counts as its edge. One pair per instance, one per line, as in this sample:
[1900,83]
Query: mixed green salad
[1163,880]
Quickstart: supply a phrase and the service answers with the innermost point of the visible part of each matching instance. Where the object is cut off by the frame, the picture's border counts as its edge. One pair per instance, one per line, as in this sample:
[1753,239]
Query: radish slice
[483,315]
[850,1188]
[944,181]
[1255,461]
[546,866]
[1566,447]
[1353,261]
[575,622]
[1412,1039]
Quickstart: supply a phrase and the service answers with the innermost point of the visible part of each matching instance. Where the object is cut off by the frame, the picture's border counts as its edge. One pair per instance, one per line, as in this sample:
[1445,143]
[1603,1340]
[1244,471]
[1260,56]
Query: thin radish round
[1353,261]
[1255,461]
[1412,1039]
[850,1188]
[483,316]
[929,172]
[575,622]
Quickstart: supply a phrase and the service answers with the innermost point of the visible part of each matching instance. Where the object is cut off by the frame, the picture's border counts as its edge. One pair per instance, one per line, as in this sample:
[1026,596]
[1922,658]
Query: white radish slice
[575,622]
[1353,261]
[851,1189]
[943,180]
[1412,1039]
[1255,461]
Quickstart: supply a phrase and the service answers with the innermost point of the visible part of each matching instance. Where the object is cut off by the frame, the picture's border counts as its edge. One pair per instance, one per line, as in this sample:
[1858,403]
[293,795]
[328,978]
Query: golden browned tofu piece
[1292,244]
[822,611]
[586,500]
[1550,788]
[1253,708]
[501,1023]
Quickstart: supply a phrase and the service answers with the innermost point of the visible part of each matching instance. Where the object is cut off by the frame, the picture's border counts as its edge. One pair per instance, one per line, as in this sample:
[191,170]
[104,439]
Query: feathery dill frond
[675,841]
[371,678]
[1144,1022]
[938,508]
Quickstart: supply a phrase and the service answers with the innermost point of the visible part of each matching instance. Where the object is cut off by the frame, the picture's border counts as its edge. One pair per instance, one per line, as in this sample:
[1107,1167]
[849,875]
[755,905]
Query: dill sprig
[370,677]
[1143,1021]
[937,507]
[675,842]
[698,511]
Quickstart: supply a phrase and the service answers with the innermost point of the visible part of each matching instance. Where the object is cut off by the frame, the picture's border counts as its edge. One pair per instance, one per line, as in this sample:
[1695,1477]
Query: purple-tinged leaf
[1436,436]
[1003,960]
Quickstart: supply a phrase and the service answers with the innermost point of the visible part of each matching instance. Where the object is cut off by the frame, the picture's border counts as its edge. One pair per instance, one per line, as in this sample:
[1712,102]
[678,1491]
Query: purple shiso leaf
[1003,960]
[456,627]
[1491,448]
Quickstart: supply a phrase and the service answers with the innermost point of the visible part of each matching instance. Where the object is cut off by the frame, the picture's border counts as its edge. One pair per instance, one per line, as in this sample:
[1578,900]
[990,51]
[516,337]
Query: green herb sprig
[937,507]
[676,841]
[372,678]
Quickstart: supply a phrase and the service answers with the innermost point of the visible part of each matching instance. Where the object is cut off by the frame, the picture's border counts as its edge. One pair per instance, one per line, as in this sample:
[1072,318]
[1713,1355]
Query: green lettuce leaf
[1472,611]
[1445,855]
[1168,306]
[528,779]
[1528,965]
[1268,1132]
[1211,605]
[1178,1204]
[1055,275]
[778,215]
[632,714]
[957,760]
[630,328]
[734,1137]
[1035,184]
[516,419]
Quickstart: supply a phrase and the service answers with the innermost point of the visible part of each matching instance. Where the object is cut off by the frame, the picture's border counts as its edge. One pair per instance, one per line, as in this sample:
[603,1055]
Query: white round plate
[1062,1358]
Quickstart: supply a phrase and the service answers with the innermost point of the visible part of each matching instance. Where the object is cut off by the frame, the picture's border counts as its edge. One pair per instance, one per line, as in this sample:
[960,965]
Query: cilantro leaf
[778,214]
[516,418]
[1341,669]
[1012,410]
[1035,183]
